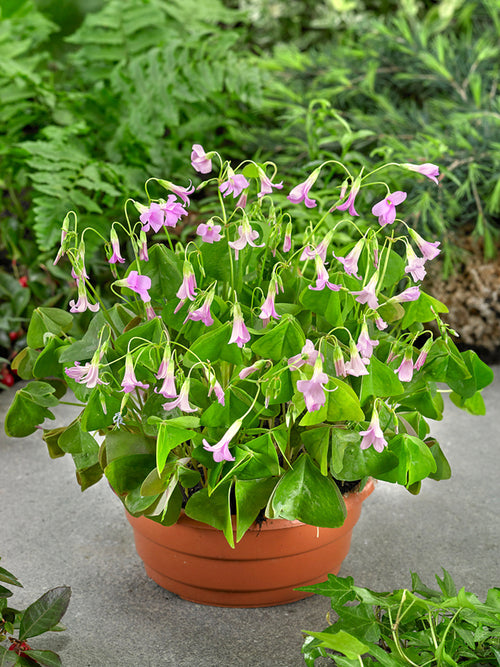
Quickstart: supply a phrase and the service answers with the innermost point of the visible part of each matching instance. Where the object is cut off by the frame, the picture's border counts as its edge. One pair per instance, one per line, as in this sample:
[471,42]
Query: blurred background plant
[99,95]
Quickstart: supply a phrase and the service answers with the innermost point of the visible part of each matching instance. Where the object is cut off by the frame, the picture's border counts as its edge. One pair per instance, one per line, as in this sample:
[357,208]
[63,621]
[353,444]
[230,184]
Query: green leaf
[24,362]
[350,463]
[29,409]
[9,578]
[480,376]
[251,497]
[212,346]
[51,320]
[317,444]
[134,337]
[80,444]
[100,410]
[474,405]
[340,589]
[169,436]
[45,612]
[164,268]
[420,310]
[281,341]
[303,493]
[213,509]
[341,641]
[415,460]
[263,459]
[443,469]
[127,472]
[7,658]
[45,658]
[341,404]
[381,381]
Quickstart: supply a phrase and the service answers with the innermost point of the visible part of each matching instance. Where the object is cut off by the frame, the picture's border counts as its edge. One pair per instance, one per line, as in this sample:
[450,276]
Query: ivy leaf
[343,642]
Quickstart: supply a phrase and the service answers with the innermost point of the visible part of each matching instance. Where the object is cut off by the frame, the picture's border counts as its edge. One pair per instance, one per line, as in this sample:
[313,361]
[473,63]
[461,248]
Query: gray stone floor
[52,534]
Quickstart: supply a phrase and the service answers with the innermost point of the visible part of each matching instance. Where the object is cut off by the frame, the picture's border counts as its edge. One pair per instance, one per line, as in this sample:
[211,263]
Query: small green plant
[417,627]
[41,616]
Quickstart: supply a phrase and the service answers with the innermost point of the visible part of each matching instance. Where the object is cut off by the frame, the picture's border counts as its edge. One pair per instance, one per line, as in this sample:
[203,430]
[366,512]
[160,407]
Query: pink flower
[248,370]
[268,309]
[246,236]
[115,247]
[380,324]
[386,209]
[308,355]
[428,249]
[209,232]
[367,294]
[202,314]
[415,264]
[239,334]
[322,277]
[242,201]
[182,401]
[405,369]
[181,192]
[200,160]
[301,192]
[426,169]
[83,303]
[355,366]
[142,247]
[187,290]
[129,382]
[166,372]
[215,387]
[350,261]
[338,361]
[287,241]
[266,186]
[349,202]
[88,374]
[410,294]
[234,185]
[423,355]
[152,217]
[373,435]
[220,451]
[365,344]
[313,389]
[137,283]
[321,249]
[173,211]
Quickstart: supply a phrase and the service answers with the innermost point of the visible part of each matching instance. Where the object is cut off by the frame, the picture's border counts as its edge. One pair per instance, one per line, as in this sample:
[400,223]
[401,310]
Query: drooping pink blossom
[242,201]
[367,294]
[82,303]
[246,236]
[202,314]
[187,290]
[87,374]
[338,361]
[178,190]
[365,344]
[166,372]
[350,261]
[322,277]
[355,366]
[152,217]
[129,382]
[209,232]
[182,401]
[373,435]
[321,249]
[301,191]
[115,247]
[409,294]
[380,324]
[266,185]
[421,359]
[173,211]
[287,241]
[307,355]
[426,169]
[200,160]
[385,210]
[234,185]
[405,369]
[220,451]
[137,283]
[429,249]
[215,387]
[415,264]
[240,334]
[268,308]
[348,205]
[248,370]
[142,247]
[313,390]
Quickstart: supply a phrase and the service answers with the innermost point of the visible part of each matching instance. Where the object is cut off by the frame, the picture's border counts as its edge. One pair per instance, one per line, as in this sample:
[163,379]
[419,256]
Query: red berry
[23,281]
[13,335]
[7,379]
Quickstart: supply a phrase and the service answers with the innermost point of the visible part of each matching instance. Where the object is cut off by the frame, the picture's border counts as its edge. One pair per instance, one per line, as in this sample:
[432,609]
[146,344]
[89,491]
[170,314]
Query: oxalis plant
[259,368]
[420,627]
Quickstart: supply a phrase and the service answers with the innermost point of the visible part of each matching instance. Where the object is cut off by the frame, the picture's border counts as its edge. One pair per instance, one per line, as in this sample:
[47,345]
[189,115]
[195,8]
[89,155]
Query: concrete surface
[52,534]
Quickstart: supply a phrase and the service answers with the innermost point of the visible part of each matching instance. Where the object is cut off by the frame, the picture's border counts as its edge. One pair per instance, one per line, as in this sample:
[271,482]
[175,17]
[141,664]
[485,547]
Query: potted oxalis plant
[258,370]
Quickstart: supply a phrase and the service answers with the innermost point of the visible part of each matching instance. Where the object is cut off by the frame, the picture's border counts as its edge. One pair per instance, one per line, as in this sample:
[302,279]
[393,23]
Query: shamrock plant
[261,365]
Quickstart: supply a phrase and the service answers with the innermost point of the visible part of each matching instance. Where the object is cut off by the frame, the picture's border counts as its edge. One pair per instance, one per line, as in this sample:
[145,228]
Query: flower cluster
[262,347]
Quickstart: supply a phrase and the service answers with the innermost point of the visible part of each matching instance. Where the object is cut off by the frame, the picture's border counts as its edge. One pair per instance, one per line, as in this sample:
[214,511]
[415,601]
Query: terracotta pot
[194,560]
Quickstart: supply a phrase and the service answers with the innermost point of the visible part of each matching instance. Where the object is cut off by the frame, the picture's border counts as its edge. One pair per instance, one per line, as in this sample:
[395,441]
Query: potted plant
[255,367]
